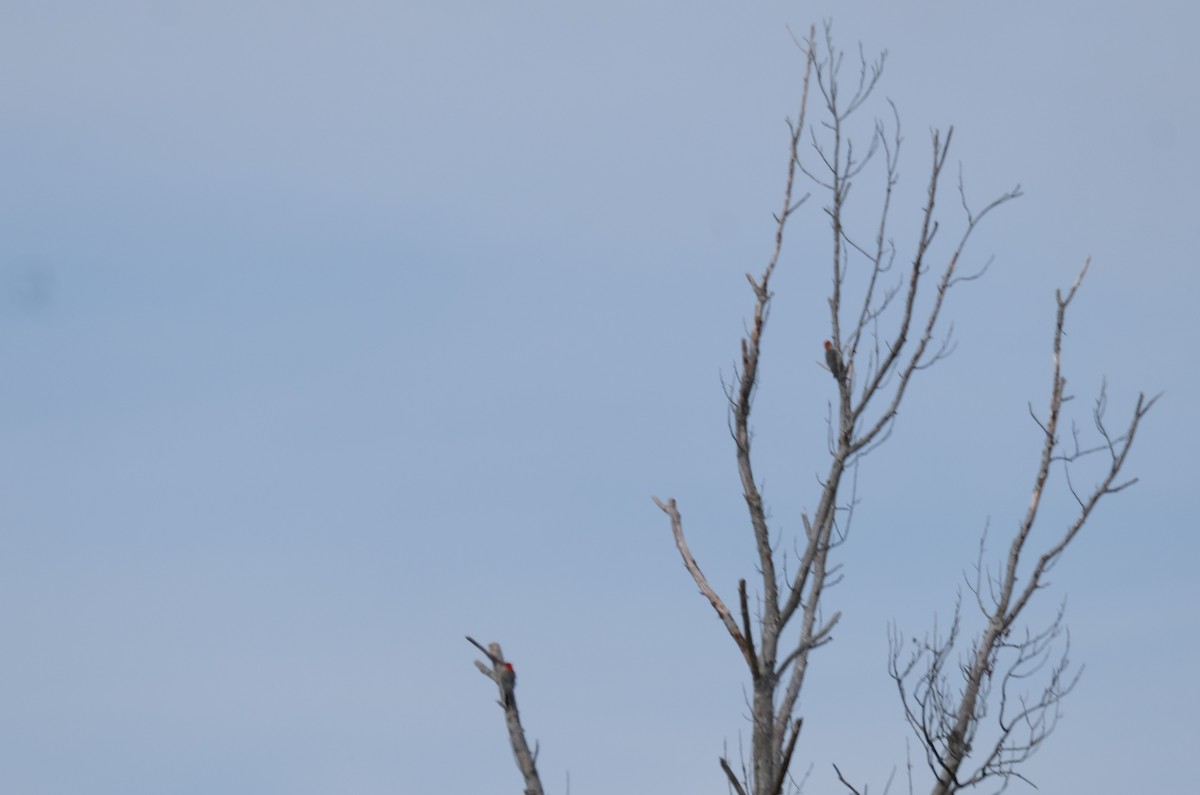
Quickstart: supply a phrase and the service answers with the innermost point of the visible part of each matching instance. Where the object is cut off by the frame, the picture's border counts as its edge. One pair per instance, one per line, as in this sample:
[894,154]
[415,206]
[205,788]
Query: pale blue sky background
[333,332]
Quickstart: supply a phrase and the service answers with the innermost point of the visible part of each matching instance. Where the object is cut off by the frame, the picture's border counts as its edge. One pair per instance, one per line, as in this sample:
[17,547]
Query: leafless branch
[689,562]
[846,783]
[733,779]
[945,720]
[495,669]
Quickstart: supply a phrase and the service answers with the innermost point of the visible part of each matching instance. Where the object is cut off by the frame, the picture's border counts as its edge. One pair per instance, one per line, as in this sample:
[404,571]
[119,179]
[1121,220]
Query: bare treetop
[887,307]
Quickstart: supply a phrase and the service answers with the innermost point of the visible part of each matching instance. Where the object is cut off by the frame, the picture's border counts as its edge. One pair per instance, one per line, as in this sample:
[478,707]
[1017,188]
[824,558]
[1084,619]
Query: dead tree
[504,676]
[879,342]
[886,325]
[946,703]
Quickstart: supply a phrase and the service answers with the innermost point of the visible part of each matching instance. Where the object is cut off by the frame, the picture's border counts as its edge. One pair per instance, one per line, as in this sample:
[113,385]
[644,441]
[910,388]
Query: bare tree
[879,340]
[886,325]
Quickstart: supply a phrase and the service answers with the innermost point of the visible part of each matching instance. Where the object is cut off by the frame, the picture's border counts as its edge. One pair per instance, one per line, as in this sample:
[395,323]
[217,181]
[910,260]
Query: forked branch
[946,720]
[501,672]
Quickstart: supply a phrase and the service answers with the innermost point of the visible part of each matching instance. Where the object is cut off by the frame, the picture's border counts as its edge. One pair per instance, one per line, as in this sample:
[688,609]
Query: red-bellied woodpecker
[834,360]
[508,682]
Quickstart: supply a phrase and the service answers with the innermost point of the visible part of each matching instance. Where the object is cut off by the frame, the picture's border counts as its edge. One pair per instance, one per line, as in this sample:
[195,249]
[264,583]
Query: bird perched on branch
[834,360]
[508,682]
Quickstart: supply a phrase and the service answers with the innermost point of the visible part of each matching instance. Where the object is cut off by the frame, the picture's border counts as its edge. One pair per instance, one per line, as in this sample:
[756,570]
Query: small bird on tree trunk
[508,682]
[834,360]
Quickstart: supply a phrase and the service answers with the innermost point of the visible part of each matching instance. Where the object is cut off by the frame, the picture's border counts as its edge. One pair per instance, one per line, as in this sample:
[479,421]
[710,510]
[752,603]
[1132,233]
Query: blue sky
[332,333]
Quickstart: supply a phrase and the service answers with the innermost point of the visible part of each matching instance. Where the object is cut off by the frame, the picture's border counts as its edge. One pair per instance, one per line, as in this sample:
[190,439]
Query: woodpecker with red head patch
[508,683]
[834,360]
